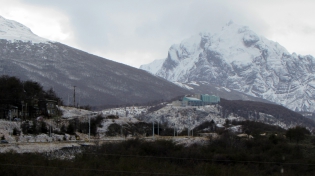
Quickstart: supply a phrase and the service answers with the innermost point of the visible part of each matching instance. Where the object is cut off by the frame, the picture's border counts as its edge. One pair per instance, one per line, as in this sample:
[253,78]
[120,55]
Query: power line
[98,170]
[202,159]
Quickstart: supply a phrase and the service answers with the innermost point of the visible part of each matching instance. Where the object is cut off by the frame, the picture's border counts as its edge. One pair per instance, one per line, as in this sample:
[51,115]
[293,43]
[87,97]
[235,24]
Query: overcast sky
[136,32]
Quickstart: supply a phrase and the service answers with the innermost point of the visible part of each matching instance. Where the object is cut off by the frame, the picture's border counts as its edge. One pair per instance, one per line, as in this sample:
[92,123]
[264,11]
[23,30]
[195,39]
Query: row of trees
[297,134]
[14,92]
[12,89]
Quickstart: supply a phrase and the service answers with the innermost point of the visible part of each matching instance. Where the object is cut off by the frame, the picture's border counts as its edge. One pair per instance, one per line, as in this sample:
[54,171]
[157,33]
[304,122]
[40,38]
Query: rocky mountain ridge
[238,59]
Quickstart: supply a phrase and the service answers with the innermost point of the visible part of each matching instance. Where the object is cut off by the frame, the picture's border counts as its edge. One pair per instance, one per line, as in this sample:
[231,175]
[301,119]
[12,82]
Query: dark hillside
[252,110]
[98,81]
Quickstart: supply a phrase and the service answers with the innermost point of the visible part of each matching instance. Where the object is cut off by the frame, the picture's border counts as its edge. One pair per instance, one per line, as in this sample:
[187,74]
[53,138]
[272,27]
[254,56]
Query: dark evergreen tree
[297,133]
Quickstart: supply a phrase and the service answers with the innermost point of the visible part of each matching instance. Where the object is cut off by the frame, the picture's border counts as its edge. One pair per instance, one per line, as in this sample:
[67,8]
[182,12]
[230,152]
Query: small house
[8,112]
[48,107]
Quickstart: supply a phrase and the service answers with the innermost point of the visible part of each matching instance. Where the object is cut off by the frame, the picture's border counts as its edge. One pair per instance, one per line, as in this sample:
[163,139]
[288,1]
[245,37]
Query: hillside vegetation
[252,110]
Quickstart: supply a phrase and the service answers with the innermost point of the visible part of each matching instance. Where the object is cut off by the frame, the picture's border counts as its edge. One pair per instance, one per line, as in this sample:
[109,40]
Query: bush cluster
[83,127]
[33,127]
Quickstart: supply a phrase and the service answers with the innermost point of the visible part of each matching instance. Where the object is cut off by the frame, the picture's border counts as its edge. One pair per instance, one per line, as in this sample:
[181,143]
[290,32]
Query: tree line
[14,92]
[12,89]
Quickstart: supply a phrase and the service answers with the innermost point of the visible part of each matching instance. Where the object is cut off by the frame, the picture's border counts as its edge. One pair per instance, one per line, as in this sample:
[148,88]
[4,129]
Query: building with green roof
[200,100]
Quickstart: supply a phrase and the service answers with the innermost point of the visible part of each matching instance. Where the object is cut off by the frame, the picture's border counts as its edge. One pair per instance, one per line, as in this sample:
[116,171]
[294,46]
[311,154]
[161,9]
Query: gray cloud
[138,31]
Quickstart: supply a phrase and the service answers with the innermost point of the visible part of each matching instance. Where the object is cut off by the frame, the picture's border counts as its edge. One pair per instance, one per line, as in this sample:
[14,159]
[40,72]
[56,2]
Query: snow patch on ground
[235,129]
[228,90]
[183,85]
[194,83]
[71,112]
[188,141]
[35,147]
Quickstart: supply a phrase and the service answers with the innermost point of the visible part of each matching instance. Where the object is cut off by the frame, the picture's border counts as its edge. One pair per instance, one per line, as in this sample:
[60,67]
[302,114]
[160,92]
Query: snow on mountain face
[154,66]
[237,58]
[14,31]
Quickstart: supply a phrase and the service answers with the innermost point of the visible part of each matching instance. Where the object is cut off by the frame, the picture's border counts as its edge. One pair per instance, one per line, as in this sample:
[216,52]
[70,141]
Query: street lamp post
[22,102]
[10,114]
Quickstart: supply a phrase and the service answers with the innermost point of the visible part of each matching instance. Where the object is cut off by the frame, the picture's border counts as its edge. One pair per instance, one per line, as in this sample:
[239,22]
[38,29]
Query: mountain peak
[239,59]
[229,23]
[13,31]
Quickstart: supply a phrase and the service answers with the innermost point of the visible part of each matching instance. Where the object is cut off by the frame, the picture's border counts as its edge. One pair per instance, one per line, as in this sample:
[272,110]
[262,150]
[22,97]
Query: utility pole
[174,129]
[74,96]
[192,127]
[153,129]
[189,133]
[22,102]
[159,128]
[188,129]
[121,131]
[89,127]
[26,110]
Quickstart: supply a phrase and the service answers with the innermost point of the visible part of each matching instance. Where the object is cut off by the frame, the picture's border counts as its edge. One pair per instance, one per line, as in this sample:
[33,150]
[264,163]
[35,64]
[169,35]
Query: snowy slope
[154,66]
[99,82]
[14,31]
[238,59]
[191,117]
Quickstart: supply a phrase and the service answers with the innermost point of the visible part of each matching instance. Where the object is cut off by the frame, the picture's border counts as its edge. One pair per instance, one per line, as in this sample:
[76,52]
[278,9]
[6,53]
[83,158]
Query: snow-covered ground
[170,116]
[180,118]
[187,117]
[126,111]
[71,112]
[35,147]
[120,121]
[187,141]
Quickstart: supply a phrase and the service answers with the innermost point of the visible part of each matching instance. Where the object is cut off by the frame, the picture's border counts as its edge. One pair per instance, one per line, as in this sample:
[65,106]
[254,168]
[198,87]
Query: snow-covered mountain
[13,31]
[98,81]
[237,58]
